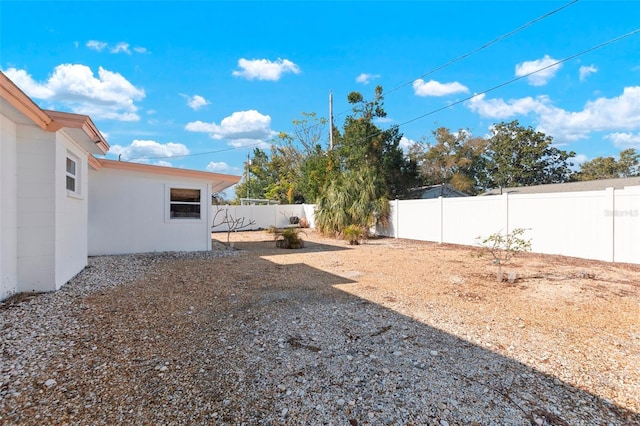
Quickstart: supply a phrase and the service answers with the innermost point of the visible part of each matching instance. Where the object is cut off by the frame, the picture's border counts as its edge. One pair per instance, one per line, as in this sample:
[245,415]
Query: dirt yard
[390,332]
[574,319]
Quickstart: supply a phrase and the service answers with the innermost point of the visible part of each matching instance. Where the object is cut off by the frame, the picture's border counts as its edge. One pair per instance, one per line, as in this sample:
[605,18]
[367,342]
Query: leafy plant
[503,247]
[353,234]
[288,238]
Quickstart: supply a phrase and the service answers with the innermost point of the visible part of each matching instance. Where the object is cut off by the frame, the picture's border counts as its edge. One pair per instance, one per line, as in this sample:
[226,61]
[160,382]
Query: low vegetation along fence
[602,225]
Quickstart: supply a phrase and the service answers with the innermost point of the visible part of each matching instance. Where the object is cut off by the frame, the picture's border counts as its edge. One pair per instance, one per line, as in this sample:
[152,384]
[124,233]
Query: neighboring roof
[589,185]
[219,182]
[17,105]
[441,190]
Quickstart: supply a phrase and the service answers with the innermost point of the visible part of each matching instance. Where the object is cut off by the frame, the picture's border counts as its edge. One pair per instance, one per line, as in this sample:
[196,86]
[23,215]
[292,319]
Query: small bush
[503,248]
[353,234]
[288,238]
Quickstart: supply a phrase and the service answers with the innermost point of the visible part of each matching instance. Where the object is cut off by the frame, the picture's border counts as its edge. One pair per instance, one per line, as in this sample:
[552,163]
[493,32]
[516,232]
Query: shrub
[353,234]
[503,248]
[288,238]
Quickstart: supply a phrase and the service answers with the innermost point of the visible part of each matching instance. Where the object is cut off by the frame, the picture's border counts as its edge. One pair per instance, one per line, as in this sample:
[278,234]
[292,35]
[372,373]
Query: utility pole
[248,188]
[330,119]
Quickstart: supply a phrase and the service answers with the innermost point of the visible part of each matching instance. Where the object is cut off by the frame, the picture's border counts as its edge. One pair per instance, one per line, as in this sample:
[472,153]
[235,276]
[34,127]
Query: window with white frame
[184,203]
[72,173]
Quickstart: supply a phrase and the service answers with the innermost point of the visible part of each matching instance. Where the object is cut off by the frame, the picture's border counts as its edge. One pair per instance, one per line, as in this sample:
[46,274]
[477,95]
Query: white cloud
[383,120]
[241,128]
[542,77]
[121,47]
[586,71]
[109,96]
[163,163]
[603,114]
[580,159]
[366,78]
[405,143]
[139,150]
[28,84]
[195,102]
[219,167]
[624,140]
[264,69]
[96,45]
[500,109]
[435,88]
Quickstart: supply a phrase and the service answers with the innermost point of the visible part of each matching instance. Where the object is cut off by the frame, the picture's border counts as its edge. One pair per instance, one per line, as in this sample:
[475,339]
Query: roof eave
[219,181]
[23,103]
[81,122]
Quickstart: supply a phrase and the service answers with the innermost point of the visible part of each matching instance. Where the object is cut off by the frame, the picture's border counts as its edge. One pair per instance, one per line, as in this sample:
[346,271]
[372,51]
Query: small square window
[184,203]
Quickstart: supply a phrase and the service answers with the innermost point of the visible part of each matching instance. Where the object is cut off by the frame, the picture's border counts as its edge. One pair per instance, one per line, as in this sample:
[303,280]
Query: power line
[568,58]
[199,153]
[459,58]
[498,86]
[484,46]
[478,49]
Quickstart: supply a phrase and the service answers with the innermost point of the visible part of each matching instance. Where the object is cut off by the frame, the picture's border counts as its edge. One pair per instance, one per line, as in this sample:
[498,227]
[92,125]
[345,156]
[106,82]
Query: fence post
[396,218]
[441,219]
[610,200]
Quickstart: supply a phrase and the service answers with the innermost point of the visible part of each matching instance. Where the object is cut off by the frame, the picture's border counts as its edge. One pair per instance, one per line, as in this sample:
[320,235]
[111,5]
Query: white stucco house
[59,204]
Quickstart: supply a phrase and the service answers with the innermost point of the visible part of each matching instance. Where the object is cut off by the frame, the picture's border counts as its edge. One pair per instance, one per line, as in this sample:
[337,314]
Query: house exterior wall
[35,209]
[128,213]
[8,208]
[71,217]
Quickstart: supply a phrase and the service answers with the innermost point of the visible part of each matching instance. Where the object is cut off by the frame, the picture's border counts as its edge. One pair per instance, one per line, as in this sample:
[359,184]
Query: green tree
[362,143]
[260,177]
[521,156]
[367,169]
[352,199]
[454,158]
[608,167]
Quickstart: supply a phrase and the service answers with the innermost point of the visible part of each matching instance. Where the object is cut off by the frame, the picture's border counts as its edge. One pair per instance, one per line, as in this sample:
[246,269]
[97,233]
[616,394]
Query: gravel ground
[390,332]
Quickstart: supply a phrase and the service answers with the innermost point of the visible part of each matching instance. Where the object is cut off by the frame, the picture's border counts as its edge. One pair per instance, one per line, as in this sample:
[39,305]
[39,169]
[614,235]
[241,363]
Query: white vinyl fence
[602,225]
[262,216]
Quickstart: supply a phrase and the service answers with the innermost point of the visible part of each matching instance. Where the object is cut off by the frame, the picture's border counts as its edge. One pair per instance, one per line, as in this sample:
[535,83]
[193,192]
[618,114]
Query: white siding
[8,209]
[36,209]
[70,213]
[128,214]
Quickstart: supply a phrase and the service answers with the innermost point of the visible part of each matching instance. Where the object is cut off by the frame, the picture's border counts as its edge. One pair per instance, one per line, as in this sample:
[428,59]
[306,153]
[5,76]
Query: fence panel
[466,218]
[570,223]
[626,214]
[418,219]
[263,216]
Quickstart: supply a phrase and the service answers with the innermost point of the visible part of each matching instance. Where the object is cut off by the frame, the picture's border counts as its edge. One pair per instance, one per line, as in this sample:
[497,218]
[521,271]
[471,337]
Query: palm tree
[356,197]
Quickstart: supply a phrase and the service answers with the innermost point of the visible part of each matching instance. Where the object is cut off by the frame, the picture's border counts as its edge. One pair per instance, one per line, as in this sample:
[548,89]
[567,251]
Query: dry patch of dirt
[574,319]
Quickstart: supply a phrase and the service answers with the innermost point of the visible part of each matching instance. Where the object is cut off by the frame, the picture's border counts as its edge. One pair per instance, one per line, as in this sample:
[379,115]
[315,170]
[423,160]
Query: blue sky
[169,79]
